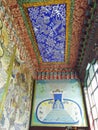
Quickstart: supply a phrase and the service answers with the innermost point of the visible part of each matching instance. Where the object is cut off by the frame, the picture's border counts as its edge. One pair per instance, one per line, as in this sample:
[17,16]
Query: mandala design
[49,25]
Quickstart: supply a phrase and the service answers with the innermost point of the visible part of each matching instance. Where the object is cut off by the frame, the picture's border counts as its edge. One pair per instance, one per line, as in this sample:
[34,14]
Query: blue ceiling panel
[49,25]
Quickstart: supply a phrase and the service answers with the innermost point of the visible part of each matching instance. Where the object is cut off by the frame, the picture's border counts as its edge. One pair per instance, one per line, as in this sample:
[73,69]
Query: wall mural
[15,81]
[58,103]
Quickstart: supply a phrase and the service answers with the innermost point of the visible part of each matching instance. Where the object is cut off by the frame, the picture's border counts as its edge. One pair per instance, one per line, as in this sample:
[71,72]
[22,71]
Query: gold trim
[45,3]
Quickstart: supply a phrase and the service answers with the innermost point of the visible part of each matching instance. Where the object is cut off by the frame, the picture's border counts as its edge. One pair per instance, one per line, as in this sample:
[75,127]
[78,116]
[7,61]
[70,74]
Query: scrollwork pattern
[49,24]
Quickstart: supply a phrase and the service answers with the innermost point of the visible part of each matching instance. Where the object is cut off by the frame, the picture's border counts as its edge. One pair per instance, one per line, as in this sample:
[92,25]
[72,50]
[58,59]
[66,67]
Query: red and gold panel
[74,22]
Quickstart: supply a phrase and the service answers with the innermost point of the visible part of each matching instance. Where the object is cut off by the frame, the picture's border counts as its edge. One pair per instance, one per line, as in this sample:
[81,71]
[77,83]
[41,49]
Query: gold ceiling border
[46,3]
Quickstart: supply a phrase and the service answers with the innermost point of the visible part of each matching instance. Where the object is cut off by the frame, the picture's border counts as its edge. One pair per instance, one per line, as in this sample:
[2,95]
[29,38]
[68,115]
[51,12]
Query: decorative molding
[56,75]
[88,52]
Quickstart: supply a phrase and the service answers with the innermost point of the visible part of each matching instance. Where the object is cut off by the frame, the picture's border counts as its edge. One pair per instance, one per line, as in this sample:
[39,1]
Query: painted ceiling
[49,31]
[49,23]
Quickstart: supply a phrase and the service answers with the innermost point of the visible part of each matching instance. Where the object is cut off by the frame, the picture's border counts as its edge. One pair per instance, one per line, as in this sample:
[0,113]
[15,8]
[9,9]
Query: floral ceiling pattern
[49,28]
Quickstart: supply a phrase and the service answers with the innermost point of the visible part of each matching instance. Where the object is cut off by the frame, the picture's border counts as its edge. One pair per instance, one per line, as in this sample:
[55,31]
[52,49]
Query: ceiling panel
[56,46]
[50,48]
[49,26]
